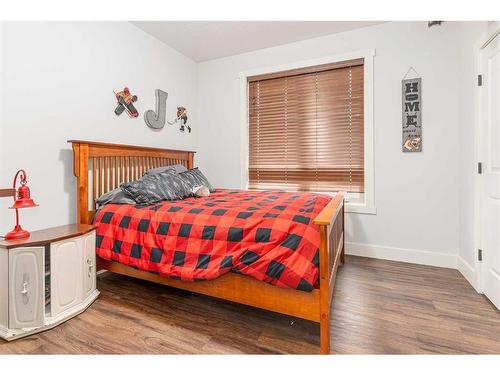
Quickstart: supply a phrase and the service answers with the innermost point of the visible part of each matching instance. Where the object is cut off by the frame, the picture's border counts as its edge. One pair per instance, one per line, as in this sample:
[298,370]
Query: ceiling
[207,40]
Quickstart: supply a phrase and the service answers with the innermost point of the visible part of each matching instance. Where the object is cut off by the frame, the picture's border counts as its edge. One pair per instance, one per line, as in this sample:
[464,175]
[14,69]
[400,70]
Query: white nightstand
[46,279]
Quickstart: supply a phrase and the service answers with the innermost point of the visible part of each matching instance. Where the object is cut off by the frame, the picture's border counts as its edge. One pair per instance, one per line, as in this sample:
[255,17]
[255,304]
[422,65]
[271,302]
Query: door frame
[491,35]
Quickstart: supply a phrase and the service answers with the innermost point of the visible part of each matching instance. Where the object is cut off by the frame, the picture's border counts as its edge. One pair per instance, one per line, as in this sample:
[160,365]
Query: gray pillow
[179,168]
[194,177]
[116,196]
[153,188]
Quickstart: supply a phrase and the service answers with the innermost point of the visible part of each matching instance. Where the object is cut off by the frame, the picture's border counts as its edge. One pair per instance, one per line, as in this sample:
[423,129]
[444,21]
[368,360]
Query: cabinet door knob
[91,265]
[24,291]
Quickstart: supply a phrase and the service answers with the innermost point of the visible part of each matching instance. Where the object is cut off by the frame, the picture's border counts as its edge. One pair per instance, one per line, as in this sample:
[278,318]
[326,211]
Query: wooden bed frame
[101,167]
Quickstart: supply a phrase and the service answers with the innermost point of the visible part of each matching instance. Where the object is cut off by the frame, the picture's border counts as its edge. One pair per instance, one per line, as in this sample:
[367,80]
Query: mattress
[267,235]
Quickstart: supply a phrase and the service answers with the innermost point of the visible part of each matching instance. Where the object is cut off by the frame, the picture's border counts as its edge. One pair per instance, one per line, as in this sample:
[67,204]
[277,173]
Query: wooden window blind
[306,129]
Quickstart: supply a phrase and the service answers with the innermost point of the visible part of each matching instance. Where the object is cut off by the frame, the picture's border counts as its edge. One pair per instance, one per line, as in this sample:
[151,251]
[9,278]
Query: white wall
[417,195]
[57,82]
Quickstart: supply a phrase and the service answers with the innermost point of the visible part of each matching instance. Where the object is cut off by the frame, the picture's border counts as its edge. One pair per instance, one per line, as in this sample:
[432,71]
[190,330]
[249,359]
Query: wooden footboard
[331,226]
[101,167]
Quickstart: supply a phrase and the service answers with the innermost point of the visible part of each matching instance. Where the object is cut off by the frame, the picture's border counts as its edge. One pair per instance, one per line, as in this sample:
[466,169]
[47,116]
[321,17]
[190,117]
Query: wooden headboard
[102,167]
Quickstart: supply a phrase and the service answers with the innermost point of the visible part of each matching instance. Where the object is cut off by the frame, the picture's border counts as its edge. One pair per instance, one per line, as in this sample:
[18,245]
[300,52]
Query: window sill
[355,203]
[360,208]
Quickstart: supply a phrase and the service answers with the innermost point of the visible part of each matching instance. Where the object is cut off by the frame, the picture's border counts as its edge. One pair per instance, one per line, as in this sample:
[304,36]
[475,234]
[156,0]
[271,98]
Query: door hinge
[480,168]
[479,79]
[479,255]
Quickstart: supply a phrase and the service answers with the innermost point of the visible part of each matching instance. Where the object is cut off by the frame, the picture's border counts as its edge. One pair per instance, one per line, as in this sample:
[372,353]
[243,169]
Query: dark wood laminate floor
[379,307]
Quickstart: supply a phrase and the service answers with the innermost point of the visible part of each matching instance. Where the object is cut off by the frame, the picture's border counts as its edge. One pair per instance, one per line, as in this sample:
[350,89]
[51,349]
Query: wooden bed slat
[94,182]
[119,171]
[115,168]
[134,168]
[106,174]
[128,166]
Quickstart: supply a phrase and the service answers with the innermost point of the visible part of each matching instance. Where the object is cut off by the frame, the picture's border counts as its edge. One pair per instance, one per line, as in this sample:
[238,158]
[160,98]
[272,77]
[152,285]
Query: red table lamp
[23,200]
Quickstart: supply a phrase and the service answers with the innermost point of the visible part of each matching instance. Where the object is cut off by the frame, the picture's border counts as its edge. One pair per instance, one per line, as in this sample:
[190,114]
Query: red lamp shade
[22,199]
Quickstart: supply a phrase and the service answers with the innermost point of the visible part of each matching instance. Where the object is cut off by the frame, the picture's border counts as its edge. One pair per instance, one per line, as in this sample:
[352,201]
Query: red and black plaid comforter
[268,235]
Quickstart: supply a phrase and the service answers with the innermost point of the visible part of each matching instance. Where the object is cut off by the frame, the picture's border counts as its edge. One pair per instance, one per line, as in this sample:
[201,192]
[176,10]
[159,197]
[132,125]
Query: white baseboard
[468,272]
[429,258]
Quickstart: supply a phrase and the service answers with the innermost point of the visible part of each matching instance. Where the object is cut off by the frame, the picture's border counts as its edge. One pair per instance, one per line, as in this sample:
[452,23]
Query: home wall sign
[412,114]
[156,119]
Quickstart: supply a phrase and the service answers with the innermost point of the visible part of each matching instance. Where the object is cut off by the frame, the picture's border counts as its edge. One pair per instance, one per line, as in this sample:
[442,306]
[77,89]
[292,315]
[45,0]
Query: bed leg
[324,334]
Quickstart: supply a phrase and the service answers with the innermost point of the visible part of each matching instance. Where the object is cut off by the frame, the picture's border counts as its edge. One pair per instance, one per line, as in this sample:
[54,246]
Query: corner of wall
[468,272]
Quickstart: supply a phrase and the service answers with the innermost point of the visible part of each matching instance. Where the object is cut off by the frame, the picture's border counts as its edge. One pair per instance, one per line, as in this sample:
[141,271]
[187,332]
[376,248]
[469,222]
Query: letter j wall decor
[412,115]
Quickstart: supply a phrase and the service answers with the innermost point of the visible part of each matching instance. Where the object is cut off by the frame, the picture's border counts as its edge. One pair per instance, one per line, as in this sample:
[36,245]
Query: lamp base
[17,233]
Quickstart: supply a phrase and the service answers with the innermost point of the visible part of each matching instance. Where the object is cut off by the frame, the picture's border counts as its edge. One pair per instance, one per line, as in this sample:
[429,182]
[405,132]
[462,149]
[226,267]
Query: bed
[296,281]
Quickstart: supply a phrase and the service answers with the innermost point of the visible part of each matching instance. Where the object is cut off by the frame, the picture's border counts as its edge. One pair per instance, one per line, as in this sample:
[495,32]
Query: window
[306,129]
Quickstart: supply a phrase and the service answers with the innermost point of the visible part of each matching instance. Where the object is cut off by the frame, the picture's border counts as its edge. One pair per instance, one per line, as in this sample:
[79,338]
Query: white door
[490,149]
[65,274]
[26,291]
[88,264]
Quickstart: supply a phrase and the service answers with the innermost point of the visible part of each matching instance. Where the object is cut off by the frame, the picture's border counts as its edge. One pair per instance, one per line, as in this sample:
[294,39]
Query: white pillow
[200,191]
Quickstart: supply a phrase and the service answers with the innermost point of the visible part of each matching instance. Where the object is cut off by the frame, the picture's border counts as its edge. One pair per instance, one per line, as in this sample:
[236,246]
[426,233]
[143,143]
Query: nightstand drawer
[65,274]
[26,287]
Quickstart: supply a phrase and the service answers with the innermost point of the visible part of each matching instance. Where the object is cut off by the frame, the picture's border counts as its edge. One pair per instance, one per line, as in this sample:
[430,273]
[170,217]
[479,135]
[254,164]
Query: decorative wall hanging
[412,113]
[125,100]
[181,119]
[156,119]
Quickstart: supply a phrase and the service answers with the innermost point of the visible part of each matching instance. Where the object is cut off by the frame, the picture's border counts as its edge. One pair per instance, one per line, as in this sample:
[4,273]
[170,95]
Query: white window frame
[354,202]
